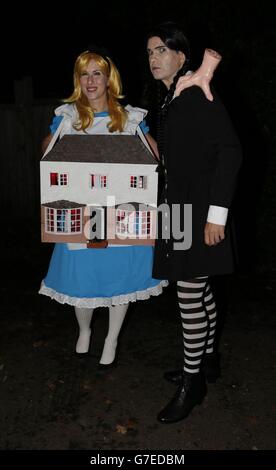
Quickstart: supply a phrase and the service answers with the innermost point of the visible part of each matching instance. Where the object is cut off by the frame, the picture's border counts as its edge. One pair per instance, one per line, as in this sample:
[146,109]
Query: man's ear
[182,58]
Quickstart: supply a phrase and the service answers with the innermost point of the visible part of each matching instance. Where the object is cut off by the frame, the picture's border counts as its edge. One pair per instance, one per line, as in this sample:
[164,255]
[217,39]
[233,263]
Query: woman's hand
[202,76]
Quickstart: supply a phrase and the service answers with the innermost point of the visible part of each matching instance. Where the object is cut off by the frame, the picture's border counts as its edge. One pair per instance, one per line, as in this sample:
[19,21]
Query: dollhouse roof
[127,149]
[63,204]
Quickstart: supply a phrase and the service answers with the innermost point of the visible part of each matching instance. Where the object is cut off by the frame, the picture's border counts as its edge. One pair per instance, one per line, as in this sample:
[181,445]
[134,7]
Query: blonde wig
[117,113]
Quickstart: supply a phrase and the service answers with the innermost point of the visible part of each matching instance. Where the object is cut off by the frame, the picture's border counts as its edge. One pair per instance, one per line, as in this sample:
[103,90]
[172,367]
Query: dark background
[54,400]
[44,40]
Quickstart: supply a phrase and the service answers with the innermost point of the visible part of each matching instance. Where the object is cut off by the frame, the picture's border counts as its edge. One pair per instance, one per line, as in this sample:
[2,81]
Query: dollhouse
[99,189]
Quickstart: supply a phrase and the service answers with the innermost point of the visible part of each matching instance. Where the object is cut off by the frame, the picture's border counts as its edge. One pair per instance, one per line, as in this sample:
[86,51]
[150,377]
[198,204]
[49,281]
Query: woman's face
[164,62]
[94,85]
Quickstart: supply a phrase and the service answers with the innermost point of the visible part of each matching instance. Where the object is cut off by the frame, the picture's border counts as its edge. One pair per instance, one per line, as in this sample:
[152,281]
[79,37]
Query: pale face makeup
[164,62]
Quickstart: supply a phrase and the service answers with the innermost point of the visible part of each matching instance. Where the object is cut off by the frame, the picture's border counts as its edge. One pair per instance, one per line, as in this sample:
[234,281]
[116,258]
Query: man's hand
[202,76]
[213,234]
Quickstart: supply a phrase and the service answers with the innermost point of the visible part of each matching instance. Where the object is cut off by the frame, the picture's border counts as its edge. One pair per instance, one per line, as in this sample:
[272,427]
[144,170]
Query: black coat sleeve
[209,122]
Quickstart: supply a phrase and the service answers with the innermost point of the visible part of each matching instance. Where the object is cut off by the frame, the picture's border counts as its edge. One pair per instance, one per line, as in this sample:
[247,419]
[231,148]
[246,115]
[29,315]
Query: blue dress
[96,277]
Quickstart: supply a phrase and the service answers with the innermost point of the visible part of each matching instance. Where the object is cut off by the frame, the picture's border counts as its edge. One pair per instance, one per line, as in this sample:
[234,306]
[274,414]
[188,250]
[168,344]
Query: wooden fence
[22,128]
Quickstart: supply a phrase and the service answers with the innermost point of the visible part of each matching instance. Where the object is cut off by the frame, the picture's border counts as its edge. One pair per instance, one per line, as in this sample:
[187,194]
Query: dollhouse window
[133,222]
[145,222]
[75,221]
[121,221]
[139,182]
[58,179]
[63,220]
[63,179]
[98,181]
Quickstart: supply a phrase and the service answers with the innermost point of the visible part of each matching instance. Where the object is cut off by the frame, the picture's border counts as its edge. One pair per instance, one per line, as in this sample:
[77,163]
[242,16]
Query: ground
[54,399]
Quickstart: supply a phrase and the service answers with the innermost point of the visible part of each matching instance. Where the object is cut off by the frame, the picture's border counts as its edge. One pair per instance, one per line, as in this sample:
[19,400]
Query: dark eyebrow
[157,47]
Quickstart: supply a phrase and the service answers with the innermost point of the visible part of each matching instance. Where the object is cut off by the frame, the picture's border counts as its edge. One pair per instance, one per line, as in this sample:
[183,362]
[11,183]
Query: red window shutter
[54,179]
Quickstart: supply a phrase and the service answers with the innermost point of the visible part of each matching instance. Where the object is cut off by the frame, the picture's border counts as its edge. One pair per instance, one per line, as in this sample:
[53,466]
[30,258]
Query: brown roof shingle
[127,149]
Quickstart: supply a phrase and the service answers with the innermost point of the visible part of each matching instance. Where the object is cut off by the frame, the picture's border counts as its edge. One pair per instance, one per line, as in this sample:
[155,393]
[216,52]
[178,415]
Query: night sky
[44,41]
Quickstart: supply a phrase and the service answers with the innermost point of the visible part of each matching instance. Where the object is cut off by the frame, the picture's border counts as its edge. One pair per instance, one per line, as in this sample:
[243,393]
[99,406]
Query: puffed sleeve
[144,127]
[55,123]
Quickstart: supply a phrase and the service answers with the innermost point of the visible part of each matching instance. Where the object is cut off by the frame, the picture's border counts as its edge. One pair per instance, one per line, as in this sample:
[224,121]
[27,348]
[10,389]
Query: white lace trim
[102,301]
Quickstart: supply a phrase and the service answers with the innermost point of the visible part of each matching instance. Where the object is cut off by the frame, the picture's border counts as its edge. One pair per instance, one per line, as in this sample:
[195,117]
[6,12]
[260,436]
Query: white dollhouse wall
[118,183]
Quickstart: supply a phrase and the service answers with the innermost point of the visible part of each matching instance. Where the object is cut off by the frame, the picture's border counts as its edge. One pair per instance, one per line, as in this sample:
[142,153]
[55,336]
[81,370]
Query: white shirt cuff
[217,215]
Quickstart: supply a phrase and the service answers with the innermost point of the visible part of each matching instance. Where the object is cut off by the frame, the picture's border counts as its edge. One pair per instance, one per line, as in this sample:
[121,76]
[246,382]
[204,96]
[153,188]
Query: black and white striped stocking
[198,316]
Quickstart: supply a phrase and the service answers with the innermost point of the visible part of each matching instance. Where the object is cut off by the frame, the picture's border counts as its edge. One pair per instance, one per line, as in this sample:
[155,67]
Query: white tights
[117,315]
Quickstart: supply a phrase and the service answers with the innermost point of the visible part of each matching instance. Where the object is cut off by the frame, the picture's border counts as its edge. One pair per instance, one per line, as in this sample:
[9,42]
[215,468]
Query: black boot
[210,366]
[190,393]
[174,376]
